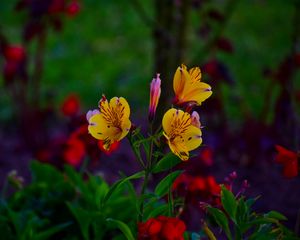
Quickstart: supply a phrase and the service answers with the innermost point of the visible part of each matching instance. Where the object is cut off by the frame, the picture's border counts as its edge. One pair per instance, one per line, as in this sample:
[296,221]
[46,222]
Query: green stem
[147,173]
[137,155]
[151,149]
[171,202]
[141,212]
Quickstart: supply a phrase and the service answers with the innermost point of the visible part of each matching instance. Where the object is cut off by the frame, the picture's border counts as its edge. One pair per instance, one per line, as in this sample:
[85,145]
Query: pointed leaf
[275,215]
[229,202]
[164,185]
[167,162]
[49,232]
[119,183]
[123,227]
[221,220]
[83,218]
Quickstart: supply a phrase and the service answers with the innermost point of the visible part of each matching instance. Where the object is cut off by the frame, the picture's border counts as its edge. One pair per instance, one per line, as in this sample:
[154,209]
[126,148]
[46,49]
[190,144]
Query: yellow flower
[112,122]
[188,86]
[180,132]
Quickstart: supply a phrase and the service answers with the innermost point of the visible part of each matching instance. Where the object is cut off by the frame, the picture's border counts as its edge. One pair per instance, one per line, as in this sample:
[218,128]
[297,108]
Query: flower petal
[167,120]
[100,129]
[179,149]
[120,105]
[290,169]
[195,74]
[126,125]
[175,118]
[181,78]
[198,92]
[191,138]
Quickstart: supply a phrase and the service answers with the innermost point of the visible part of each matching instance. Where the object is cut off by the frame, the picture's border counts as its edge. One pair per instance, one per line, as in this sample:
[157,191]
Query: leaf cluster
[237,219]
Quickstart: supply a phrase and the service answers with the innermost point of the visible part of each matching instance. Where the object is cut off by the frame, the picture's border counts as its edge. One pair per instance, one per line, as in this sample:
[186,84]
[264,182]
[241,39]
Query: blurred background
[58,57]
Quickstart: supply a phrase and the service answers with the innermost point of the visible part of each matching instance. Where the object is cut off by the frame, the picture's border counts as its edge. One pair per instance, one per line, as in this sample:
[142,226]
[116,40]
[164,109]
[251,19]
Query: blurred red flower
[289,160]
[198,188]
[74,151]
[73,8]
[14,62]
[14,53]
[161,228]
[71,105]
[206,155]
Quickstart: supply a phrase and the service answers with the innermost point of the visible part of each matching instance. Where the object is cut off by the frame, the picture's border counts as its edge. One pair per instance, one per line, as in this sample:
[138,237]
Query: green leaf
[167,162]
[221,220]
[119,183]
[160,210]
[229,202]
[83,218]
[49,232]
[264,232]
[101,192]
[275,215]
[164,185]
[122,226]
[43,172]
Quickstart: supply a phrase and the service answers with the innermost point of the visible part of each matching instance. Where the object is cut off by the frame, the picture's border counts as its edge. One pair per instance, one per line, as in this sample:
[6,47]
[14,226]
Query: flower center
[113,115]
[179,126]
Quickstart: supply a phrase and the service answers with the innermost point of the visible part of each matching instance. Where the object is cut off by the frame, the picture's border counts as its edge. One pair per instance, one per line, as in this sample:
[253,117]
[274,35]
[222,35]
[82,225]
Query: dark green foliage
[62,205]
[238,221]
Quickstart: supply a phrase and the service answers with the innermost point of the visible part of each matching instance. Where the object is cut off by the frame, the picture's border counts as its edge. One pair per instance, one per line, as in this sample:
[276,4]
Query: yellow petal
[167,120]
[195,74]
[181,78]
[180,150]
[126,125]
[197,92]
[120,105]
[173,118]
[188,86]
[100,129]
[191,138]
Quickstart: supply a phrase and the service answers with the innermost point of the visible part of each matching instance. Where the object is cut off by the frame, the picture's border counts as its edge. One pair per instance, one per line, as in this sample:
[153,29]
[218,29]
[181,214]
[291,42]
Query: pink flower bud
[155,91]
[195,118]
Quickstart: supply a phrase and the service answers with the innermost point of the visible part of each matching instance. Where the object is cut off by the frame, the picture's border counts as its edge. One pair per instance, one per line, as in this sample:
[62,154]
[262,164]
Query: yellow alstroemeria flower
[112,122]
[188,86]
[182,135]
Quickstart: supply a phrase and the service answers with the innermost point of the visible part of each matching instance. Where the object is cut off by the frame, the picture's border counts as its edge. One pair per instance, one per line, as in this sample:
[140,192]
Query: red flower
[197,184]
[15,59]
[56,6]
[14,53]
[74,152]
[73,8]
[161,228]
[289,160]
[206,156]
[197,189]
[212,186]
[113,147]
[71,105]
